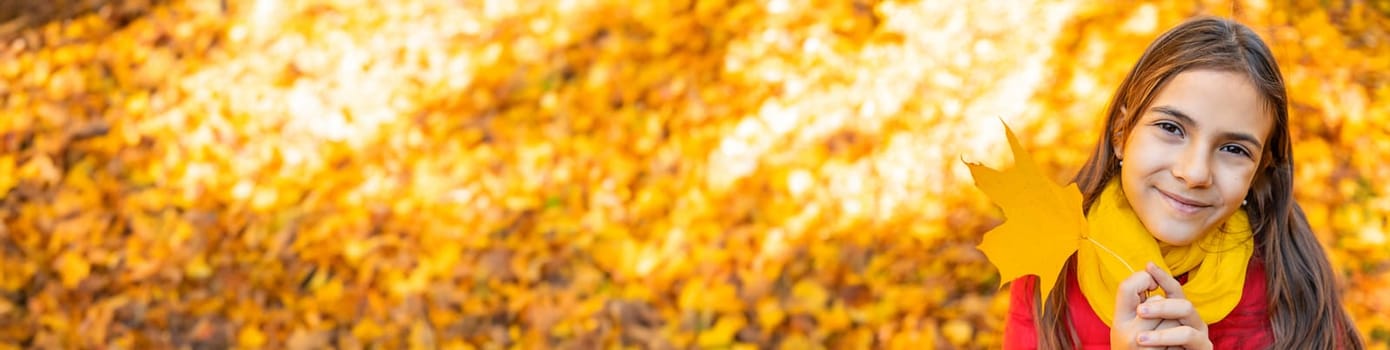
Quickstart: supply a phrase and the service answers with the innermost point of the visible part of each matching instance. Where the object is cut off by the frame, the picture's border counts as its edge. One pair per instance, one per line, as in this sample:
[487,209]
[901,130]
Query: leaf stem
[1112,253]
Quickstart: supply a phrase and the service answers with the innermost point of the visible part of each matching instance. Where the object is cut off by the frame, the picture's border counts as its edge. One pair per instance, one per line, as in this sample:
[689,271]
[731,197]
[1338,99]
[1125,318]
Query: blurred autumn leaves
[442,174]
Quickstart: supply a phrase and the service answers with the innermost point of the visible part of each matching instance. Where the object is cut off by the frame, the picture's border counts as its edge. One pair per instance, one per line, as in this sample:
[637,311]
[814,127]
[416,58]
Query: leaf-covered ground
[589,173]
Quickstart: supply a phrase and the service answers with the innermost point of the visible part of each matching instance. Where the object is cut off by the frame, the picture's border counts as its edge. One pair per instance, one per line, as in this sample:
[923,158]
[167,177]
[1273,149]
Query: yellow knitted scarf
[1215,263]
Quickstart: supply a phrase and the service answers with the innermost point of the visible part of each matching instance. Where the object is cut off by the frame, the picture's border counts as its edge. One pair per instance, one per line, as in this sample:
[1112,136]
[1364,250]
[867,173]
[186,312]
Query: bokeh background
[590,173]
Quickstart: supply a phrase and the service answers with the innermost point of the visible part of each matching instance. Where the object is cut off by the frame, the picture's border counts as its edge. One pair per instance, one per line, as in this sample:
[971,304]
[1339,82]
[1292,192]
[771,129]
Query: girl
[1195,170]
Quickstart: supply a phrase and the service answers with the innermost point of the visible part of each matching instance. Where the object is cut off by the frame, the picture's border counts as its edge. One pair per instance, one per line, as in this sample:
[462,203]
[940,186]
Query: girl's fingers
[1184,336]
[1166,281]
[1131,292]
[1173,309]
[1153,323]
[1176,306]
[1148,324]
[1163,324]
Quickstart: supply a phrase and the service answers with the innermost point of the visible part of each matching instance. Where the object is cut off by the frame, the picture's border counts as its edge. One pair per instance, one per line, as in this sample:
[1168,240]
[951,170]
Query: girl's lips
[1183,205]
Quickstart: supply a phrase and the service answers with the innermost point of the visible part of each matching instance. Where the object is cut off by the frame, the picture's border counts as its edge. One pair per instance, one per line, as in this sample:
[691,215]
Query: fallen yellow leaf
[1043,226]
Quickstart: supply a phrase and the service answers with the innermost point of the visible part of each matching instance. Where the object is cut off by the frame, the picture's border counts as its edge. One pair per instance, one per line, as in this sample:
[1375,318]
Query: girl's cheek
[1148,151]
[1236,181]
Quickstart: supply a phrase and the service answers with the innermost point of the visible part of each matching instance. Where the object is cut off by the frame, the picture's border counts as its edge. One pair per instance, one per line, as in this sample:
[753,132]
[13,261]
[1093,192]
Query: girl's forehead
[1218,100]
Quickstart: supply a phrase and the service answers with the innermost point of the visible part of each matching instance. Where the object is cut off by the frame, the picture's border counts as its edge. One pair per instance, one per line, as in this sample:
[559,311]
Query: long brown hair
[1304,303]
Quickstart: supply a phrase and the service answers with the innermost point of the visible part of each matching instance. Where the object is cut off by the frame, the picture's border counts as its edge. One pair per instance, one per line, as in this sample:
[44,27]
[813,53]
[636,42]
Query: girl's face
[1189,160]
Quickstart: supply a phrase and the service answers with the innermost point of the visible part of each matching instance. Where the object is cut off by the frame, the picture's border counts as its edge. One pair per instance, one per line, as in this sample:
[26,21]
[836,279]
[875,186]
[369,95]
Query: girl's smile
[1184,206]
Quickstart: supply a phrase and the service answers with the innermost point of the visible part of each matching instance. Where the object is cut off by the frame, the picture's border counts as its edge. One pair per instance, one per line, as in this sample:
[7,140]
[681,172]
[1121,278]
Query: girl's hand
[1128,325]
[1190,332]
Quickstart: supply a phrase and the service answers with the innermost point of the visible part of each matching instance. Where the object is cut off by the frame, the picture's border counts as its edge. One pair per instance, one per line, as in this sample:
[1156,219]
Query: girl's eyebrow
[1182,117]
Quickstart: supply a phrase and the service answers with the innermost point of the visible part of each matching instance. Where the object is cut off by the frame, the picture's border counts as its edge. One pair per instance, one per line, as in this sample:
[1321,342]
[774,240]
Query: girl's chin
[1175,233]
[1177,242]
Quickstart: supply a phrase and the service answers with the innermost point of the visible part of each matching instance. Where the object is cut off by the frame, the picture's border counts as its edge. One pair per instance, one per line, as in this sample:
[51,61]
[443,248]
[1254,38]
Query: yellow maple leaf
[1043,221]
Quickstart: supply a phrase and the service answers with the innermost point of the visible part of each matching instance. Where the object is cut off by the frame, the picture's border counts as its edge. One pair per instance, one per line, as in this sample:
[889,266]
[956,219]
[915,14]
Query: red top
[1246,327]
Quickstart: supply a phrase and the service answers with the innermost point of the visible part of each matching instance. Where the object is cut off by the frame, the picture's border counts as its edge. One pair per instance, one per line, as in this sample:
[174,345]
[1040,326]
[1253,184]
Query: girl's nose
[1193,167]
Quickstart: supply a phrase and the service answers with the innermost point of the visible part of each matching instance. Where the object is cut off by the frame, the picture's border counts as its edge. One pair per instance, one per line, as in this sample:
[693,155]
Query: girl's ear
[1117,141]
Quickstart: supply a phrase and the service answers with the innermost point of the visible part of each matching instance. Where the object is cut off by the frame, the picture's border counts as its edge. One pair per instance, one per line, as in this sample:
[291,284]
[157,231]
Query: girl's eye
[1169,127]
[1236,150]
